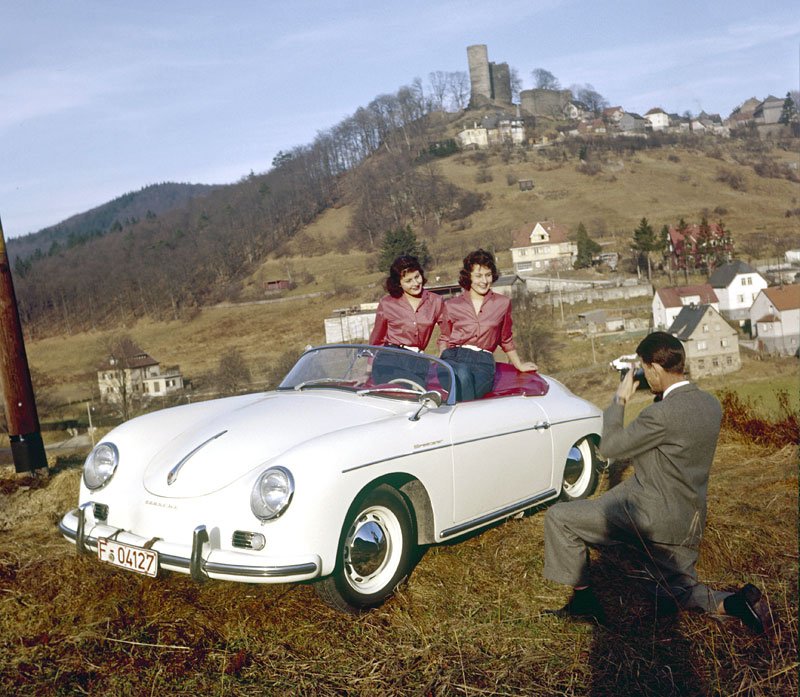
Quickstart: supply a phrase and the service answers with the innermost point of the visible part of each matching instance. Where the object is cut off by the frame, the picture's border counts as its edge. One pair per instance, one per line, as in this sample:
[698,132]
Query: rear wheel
[375,555]
[580,471]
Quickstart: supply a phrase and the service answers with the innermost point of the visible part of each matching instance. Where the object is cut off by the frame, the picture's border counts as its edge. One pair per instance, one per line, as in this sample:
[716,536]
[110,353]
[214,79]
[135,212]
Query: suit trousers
[668,570]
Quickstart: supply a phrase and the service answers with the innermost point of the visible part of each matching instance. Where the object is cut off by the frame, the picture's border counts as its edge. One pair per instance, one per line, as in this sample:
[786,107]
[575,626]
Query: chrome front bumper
[199,567]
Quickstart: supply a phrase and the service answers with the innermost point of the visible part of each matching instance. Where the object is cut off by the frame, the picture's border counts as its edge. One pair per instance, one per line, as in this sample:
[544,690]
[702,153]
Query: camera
[638,377]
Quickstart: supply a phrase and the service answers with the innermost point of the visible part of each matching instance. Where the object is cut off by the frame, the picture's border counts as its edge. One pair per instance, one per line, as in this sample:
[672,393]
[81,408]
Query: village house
[769,111]
[736,284]
[541,247]
[130,372]
[613,114]
[576,110]
[658,118]
[711,344]
[668,302]
[633,124]
[775,320]
[494,129]
[695,248]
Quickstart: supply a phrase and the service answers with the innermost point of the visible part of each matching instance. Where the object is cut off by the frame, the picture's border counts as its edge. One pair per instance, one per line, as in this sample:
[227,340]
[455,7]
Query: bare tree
[233,375]
[516,85]
[545,80]
[438,85]
[459,89]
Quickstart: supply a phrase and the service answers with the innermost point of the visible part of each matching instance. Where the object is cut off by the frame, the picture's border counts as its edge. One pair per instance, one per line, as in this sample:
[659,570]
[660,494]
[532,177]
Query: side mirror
[427,400]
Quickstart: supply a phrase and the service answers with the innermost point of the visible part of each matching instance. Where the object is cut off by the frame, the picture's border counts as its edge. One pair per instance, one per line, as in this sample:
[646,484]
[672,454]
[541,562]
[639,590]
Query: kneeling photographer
[659,511]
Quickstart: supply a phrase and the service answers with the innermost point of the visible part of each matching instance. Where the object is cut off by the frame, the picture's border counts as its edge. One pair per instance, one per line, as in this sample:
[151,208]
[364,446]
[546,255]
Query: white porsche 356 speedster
[337,477]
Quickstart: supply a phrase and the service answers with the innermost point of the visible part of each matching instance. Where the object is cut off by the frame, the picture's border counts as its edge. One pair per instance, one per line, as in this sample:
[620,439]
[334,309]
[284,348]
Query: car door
[502,455]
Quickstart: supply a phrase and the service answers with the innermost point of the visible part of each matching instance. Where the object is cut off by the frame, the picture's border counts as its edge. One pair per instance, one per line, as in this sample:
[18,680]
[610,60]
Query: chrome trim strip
[536,427]
[260,571]
[394,457]
[173,473]
[497,515]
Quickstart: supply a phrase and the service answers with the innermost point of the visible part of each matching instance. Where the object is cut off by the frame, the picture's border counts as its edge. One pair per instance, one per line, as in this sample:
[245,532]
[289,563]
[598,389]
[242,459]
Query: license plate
[142,561]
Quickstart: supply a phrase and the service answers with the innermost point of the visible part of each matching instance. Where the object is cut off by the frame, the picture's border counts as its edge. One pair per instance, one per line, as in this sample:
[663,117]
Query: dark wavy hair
[480,257]
[663,349]
[402,265]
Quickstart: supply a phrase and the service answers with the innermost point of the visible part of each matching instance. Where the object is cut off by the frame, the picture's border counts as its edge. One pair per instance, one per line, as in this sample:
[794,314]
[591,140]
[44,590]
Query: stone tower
[480,77]
[488,81]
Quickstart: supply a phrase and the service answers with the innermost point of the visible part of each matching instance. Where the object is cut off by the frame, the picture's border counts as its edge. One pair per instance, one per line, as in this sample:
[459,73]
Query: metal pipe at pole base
[28,452]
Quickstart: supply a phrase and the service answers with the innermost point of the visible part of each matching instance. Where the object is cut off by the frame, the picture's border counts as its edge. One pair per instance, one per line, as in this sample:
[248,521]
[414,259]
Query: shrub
[739,415]
[733,179]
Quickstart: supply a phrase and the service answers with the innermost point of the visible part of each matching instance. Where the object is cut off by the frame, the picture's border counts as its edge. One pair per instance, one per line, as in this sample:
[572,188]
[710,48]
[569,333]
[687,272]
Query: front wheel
[580,471]
[375,553]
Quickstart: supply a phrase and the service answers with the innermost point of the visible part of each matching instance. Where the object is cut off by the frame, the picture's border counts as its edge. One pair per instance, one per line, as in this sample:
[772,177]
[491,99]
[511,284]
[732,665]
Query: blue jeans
[474,372]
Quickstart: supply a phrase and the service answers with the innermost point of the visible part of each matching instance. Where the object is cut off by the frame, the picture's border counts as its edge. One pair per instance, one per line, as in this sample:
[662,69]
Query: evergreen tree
[587,248]
[644,242]
[789,111]
[402,241]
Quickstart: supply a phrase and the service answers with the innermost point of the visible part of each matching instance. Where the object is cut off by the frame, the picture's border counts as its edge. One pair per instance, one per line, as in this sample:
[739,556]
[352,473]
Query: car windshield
[370,370]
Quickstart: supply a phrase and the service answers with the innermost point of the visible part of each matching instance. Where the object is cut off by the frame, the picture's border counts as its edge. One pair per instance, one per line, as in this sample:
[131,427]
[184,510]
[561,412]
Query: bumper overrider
[200,560]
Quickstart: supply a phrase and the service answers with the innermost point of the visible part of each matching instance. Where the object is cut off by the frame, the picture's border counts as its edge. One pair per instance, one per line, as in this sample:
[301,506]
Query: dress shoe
[750,607]
[583,606]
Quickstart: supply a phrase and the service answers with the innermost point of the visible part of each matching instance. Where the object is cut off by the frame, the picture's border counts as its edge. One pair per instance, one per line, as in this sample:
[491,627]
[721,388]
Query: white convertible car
[334,477]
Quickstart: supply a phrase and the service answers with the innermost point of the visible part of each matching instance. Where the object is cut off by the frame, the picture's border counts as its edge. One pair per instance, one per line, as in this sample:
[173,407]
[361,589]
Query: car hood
[227,442]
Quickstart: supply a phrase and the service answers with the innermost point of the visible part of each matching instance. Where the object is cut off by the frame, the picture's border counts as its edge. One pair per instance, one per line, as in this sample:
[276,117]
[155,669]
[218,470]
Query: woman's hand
[527,367]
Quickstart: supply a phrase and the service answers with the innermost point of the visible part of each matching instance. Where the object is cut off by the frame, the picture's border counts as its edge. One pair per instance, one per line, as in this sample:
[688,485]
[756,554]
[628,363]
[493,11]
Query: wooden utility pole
[27,448]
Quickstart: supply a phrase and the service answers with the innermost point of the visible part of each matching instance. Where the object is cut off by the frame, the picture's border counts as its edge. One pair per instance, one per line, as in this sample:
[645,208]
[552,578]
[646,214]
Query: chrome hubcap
[366,549]
[372,550]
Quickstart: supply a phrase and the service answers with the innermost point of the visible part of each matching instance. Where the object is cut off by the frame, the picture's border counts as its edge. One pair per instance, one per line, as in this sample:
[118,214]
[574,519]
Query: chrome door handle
[542,426]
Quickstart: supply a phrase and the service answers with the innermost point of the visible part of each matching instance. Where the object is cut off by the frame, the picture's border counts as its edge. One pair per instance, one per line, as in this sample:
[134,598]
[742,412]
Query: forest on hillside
[382,162]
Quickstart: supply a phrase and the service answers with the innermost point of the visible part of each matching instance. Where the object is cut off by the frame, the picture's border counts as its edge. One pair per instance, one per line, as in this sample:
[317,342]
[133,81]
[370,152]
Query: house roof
[724,275]
[784,298]
[507,280]
[127,354]
[556,232]
[673,297]
[688,319]
[655,110]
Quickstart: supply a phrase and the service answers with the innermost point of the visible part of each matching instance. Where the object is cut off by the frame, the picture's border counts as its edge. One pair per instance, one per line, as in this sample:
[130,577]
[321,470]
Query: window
[715,362]
[524,266]
[702,345]
[740,298]
[747,281]
[723,343]
[729,360]
[701,363]
[705,328]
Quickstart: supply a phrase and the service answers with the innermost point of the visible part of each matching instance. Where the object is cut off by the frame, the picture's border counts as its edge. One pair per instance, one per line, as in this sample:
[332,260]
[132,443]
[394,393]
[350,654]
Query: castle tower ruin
[480,78]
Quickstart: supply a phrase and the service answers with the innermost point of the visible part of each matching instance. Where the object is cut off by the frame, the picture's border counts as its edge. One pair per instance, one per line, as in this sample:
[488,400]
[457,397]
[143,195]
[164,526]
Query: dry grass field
[466,623]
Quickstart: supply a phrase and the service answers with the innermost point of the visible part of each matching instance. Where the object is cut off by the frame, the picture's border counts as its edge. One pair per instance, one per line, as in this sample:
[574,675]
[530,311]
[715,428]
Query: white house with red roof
[542,247]
[668,302]
[775,320]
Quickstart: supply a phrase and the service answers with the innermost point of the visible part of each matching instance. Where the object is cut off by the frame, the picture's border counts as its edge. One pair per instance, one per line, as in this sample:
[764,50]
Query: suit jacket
[671,444]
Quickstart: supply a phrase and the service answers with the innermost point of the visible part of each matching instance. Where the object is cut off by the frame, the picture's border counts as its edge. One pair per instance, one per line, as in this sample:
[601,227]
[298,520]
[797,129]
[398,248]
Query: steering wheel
[406,381]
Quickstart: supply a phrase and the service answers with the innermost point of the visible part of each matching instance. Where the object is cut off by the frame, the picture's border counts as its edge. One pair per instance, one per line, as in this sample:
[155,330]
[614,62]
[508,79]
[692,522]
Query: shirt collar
[675,385]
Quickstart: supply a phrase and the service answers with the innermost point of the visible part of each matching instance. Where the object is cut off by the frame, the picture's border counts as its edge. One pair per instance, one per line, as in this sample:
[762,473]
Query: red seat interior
[508,381]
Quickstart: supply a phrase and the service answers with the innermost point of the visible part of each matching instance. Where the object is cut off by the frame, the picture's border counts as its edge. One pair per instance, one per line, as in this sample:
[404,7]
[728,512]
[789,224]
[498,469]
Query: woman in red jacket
[476,323]
[405,319]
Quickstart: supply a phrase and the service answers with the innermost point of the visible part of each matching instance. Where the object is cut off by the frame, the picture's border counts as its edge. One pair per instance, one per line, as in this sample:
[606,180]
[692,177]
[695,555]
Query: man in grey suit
[661,509]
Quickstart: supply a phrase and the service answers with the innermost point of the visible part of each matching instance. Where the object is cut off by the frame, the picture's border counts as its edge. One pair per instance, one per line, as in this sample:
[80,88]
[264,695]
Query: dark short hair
[480,257]
[665,350]
[402,265]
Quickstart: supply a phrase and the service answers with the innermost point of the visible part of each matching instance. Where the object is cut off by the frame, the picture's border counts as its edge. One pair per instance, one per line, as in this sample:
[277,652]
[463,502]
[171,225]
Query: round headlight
[272,493]
[100,465]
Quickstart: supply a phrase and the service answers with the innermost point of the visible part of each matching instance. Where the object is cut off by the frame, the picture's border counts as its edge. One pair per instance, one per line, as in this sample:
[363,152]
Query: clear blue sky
[102,97]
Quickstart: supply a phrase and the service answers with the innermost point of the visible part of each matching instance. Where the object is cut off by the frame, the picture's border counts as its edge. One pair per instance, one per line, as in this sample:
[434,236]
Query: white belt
[407,348]
[473,348]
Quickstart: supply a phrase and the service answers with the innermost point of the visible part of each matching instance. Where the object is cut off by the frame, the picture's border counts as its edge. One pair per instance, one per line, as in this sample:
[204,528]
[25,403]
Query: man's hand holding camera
[627,387]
